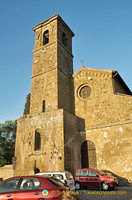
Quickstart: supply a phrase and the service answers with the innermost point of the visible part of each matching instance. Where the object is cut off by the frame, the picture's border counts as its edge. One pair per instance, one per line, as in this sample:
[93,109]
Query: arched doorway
[36,170]
[88,154]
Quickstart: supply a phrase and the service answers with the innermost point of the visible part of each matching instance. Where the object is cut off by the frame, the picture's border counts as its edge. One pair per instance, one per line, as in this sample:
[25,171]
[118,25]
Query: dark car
[32,188]
[94,178]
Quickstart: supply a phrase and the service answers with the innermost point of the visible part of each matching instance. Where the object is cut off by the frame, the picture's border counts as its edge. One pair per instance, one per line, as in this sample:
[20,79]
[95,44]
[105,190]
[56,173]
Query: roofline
[50,20]
[94,69]
[116,74]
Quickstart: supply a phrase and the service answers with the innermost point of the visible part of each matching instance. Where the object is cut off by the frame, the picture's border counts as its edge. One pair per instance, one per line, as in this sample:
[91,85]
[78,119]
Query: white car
[64,176]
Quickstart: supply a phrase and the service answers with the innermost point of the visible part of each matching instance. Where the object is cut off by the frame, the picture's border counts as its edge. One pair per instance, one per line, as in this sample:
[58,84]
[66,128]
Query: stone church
[76,120]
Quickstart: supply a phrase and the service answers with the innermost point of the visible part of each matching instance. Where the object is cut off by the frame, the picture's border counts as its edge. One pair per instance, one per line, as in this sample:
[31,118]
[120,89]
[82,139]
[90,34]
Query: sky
[103,40]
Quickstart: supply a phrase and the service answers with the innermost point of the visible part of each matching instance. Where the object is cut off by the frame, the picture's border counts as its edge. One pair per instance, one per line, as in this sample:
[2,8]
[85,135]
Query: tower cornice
[50,20]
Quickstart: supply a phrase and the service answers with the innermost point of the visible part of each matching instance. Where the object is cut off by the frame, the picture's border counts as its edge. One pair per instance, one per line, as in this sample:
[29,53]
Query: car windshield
[100,172]
[9,185]
[69,176]
[58,176]
[56,182]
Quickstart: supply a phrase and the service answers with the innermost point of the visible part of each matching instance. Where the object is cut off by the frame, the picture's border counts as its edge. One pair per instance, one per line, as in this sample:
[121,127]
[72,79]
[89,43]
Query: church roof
[83,68]
[115,76]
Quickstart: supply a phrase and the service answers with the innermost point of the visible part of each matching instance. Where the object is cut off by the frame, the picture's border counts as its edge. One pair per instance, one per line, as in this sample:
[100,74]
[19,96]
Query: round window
[84,92]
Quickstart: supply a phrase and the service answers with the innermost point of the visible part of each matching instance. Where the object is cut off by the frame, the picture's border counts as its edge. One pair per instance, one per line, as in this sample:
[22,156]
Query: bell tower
[52,83]
[44,138]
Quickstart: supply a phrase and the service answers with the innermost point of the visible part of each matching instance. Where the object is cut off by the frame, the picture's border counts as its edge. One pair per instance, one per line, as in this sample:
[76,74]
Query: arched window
[64,39]
[37,141]
[46,37]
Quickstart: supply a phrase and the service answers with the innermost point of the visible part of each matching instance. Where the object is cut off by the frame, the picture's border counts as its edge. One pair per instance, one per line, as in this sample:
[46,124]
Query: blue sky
[103,39]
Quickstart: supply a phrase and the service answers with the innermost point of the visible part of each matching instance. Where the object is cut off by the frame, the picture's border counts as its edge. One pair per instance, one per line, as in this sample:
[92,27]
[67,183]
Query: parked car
[32,188]
[64,176]
[94,178]
[1,179]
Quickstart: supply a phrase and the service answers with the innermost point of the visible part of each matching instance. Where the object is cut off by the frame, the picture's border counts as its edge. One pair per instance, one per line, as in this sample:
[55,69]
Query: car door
[8,189]
[93,179]
[29,189]
[70,180]
[83,177]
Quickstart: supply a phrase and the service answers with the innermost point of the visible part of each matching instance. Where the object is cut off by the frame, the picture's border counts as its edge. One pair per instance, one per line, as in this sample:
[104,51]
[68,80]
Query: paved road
[119,193]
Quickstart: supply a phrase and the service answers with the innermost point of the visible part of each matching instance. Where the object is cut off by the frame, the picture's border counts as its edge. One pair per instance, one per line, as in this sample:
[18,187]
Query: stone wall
[6,171]
[51,155]
[72,141]
[44,88]
[102,106]
[113,148]
[65,96]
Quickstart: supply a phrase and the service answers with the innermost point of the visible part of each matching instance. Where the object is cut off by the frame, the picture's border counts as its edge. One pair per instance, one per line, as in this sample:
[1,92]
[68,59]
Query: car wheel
[78,186]
[105,186]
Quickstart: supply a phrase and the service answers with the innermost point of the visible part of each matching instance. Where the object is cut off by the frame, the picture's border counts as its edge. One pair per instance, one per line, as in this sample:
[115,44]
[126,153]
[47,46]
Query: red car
[31,188]
[94,178]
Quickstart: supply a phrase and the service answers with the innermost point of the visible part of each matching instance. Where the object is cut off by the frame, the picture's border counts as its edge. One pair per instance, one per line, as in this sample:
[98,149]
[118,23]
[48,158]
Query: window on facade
[64,39]
[37,141]
[46,37]
[43,106]
[84,92]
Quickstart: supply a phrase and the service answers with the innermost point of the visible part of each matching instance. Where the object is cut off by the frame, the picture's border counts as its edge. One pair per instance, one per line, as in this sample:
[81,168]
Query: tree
[27,105]
[7,142]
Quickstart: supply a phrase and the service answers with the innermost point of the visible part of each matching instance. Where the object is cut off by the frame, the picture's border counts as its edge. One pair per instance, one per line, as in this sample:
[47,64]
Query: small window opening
[46,37]
[36,170]
[64,39]
[43,106]
[37,141]
[38,37]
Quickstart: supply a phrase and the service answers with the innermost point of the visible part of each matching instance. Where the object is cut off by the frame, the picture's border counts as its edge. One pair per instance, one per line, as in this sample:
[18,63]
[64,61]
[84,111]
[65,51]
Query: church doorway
[88,154]
[36,170]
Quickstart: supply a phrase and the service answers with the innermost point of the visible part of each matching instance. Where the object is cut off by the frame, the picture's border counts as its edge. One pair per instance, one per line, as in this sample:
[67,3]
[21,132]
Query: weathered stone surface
[6,171]
[50,126]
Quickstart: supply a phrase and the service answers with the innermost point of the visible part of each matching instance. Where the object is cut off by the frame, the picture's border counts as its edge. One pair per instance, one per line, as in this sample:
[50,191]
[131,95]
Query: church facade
[76,120]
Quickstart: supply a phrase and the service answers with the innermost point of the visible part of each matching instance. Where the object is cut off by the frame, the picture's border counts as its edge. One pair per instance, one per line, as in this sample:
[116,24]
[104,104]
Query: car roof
[31,176]
[54,172]
[27,176]
[85,169]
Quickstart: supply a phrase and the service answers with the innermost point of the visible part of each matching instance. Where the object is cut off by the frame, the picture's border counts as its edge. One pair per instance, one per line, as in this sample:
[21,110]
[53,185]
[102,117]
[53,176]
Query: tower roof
[52,19]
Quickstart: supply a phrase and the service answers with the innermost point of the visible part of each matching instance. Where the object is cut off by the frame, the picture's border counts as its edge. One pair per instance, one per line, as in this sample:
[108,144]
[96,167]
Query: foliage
[27,105]
[7,142]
